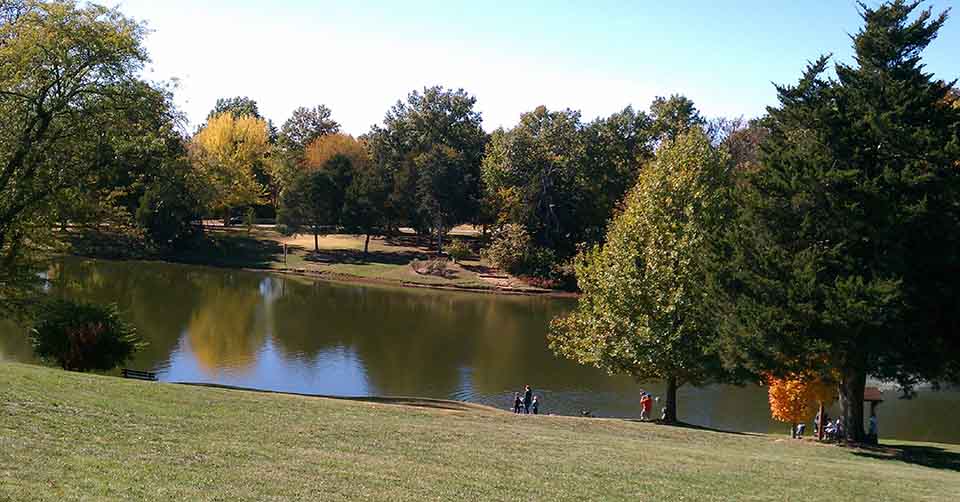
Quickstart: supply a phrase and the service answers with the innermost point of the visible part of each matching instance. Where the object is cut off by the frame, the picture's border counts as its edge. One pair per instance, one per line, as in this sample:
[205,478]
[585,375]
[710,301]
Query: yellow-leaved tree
[225,152]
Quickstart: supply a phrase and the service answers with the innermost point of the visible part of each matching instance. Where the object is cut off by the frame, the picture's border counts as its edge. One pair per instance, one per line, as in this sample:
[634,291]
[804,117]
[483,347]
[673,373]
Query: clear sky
[359,57]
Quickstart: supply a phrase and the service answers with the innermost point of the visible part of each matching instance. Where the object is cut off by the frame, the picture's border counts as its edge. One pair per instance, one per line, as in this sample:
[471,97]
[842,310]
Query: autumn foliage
[324,148]
[794,399]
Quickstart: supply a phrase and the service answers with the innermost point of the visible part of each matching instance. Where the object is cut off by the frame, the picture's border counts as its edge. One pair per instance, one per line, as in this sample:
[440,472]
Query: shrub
[80,336]
[459,250]
[434,266]
[509,248]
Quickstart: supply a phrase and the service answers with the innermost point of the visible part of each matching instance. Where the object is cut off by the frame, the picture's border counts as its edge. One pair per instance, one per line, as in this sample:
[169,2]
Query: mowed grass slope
[68,436]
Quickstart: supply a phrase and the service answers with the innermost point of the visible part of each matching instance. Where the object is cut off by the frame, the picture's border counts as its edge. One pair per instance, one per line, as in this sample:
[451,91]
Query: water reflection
[291,334]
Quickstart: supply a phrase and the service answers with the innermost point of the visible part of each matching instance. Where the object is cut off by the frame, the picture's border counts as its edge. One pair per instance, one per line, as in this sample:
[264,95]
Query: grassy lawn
[340,256]
[66,436]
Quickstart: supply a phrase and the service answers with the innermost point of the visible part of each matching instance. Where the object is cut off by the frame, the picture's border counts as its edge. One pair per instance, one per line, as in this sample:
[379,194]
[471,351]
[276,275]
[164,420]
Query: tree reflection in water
[292,334]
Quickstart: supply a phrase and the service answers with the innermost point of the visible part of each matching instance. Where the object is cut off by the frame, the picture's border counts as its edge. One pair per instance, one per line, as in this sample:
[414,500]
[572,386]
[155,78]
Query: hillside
[68,436]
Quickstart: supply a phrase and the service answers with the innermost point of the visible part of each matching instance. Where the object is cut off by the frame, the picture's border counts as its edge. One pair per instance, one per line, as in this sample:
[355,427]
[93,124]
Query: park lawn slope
[69,436]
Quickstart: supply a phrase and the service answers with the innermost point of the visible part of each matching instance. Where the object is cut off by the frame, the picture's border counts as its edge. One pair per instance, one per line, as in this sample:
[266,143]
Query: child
[646,404]
[517,403]
[535,405]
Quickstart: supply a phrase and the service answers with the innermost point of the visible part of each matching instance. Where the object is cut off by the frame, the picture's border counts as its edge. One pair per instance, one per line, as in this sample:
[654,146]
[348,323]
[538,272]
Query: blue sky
[360,57]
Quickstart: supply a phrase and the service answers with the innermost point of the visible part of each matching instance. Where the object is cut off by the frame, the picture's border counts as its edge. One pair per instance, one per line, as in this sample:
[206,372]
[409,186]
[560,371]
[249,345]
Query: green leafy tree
[68,72]
[306,125]
[169,208]
[436,120]
[674,116]
[847,246]
[239,106]
[640,312]
[83,336]
[441,191]
[618,146]
[363,211]
[309,205]
[536,173]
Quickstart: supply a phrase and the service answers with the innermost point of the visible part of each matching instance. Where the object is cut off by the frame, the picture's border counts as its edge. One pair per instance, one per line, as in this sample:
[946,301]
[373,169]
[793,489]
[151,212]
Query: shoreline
[344,278]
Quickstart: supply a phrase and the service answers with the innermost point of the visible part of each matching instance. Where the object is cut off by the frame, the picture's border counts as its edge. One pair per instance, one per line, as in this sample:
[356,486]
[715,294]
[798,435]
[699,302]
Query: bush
[434,266]
[80,336]
[459,250]
[509,248]
[512,250]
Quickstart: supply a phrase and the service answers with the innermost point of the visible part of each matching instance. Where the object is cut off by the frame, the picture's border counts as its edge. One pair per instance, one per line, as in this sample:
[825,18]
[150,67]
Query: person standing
[535,405]
[527,398]
[872,436]
[646,405]
[517,403]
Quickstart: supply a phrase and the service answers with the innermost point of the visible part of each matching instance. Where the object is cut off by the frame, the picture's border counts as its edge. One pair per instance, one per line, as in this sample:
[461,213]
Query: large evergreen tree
[847,250]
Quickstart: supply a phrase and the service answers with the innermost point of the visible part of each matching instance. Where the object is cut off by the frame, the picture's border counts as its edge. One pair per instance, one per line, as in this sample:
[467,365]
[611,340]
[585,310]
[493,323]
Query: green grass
[67,436]
[341,256]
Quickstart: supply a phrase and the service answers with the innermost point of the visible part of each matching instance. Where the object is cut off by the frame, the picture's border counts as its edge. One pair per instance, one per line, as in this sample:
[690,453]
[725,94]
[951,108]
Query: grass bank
[340,257]
[67,436]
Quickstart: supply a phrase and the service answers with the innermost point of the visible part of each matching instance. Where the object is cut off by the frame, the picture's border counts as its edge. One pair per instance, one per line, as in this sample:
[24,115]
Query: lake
[295,334]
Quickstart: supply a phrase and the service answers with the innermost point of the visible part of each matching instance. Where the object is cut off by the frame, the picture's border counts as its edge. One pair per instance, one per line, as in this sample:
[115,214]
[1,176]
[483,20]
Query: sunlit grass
[67,436]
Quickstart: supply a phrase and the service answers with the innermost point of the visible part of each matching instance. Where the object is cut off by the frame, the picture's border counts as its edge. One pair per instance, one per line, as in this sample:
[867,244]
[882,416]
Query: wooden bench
[139,375]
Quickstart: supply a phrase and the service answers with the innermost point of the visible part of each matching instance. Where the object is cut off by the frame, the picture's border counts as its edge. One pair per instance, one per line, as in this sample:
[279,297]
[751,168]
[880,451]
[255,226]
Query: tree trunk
[670,416]
[316,241]
[820,424]
[853,379]
[366,246]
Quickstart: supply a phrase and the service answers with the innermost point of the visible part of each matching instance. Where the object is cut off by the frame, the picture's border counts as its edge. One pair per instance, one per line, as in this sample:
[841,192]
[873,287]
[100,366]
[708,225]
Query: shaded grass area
[66,436]
[340,256]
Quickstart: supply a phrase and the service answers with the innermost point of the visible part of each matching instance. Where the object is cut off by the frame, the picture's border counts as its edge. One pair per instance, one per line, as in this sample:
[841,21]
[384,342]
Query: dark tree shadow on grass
[927,456]
[353,256]
[233,250]
[684,425]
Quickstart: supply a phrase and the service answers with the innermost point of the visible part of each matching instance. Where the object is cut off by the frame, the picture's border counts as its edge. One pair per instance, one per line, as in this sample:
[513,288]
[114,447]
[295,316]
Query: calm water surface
[292,334]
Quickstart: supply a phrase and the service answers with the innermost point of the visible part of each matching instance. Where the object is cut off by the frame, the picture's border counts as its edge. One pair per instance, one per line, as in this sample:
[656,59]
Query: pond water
[298,335]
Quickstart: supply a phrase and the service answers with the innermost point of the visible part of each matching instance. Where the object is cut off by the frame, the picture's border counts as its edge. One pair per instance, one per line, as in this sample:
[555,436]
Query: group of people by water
[528,404]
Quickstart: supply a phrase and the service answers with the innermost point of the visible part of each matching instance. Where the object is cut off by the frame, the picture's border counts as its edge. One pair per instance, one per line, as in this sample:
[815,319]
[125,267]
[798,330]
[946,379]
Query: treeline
[818,242]
[541,188]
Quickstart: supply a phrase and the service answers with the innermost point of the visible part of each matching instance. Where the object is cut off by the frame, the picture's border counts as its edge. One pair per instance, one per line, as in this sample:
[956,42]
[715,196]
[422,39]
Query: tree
[168,209]
[306,125]
[240,106]
[435,120]
[363,209]
[309,205]
[83,336]
[847,241]
[794,398]
[674,116]
[536,173]
[225,152]
[441,190]
[67,73]
[325,147]
[617,148]
[640,312]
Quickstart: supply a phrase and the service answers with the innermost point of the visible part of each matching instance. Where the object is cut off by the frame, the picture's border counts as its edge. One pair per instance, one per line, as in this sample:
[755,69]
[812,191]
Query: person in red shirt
[646,404]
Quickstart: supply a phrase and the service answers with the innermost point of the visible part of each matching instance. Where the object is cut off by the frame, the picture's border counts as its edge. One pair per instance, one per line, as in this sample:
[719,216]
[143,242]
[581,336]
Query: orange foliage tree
[795,398]
[324,148]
